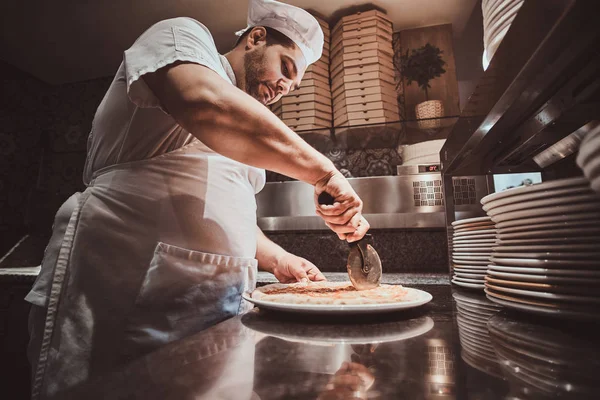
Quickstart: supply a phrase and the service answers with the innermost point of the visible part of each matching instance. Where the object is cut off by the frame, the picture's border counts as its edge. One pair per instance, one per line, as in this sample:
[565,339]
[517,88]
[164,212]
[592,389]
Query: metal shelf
[542,84]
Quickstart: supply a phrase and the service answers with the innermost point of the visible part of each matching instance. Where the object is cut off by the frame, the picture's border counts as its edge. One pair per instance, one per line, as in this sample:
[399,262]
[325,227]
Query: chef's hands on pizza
[344,216]
[291,268]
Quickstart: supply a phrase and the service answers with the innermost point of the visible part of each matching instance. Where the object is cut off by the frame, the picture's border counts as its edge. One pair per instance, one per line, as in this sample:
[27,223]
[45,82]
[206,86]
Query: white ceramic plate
[551,241]
[545,279]
[481,257]
[471,221]
[551,233]
[488,238]
[541,308]
[478,277]
[573,247]
[471,300]
[474,233]
[526,198]
[573,218]
[421,297]
[561,183]
[544,263]
[591,198]
[477,267]
[482,263]
[477,246]
[468,285]
[465,250]
[593,257]
[546,211]
[587,274]
[471,270]
[590,220]
[467,280]
[545,295]
[544,287]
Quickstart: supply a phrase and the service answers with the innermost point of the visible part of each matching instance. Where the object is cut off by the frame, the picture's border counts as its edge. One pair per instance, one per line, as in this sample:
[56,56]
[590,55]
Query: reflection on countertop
[414,354]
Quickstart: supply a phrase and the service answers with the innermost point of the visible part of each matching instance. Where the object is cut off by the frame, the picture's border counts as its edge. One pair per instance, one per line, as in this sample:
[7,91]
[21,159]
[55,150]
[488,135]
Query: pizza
[331,293]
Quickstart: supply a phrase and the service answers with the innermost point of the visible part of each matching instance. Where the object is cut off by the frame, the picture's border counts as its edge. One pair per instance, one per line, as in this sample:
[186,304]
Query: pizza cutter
[364,265]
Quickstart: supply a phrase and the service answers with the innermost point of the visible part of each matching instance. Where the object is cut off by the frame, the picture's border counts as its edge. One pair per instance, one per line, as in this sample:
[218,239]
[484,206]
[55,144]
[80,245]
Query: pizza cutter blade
[364,264]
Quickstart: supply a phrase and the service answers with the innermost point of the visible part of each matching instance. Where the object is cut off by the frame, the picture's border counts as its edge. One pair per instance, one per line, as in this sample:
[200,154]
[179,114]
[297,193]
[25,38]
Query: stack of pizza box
[362,70]
[309,107]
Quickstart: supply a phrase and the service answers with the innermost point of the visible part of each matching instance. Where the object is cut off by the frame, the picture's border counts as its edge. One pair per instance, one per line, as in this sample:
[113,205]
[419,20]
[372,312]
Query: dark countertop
[458,346]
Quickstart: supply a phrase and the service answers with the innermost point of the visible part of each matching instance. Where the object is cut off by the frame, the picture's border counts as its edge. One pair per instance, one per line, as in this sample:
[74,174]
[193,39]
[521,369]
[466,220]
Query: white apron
[143,262]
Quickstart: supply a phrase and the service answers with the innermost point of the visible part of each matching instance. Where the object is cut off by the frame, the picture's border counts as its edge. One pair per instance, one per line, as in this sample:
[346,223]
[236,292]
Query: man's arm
[234,124]
[285,266]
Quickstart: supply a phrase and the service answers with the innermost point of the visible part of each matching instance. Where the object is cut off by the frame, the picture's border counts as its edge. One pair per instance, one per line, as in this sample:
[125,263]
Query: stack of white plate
[472,242]
[497,17]
[474,311]
[547,258]
[542,361]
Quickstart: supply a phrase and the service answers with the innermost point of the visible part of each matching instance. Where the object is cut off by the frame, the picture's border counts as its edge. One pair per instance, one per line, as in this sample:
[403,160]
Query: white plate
[421,298]
[580,240]
[545,295]
[474,227]
[474,300]
[562,183]
[591,198]
[479,267]
[482,263]
[544,287]
[462,250]
[553,255]
[527,198]
[487,238]
[548,279]
[573,247]
[590,220]
[467,280]
[477,246]
[569,218]
[541,308]
[478,277]
[470,256]
[474,233]
[468,285]
[544,263]
[588,274]
[471,270]
[482,257]
[471,221]
[546,211]
[550,233]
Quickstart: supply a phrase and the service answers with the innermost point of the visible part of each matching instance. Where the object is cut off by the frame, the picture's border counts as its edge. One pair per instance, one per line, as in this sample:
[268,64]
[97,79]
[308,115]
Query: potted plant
[421,66]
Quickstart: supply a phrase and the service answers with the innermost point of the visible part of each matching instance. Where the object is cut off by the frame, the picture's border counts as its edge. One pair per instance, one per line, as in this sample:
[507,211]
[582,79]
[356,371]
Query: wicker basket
[429,109]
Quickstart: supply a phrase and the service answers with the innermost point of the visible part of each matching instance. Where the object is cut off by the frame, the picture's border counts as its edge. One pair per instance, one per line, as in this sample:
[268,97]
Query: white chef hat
[295,23]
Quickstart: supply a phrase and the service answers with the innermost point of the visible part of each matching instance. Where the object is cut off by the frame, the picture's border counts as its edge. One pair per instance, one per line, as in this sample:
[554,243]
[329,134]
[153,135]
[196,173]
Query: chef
[163,241]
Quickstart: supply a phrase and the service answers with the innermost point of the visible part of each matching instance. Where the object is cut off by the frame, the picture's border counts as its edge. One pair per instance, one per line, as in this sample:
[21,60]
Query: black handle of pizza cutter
[327,199]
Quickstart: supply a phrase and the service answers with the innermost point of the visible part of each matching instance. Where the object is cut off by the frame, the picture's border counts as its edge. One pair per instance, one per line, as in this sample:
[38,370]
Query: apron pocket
[186,291]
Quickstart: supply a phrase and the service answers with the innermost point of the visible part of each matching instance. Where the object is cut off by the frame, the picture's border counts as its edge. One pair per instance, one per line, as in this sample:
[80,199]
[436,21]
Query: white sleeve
[176,39]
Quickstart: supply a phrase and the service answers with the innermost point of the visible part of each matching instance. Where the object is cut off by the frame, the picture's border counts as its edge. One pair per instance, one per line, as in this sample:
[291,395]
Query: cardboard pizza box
[379,45]
[310,127]
[359,25]
[364,15]
[360,107]
[294,99]
[336,68]
[361,76]
[366,91]
[341,37]
[307,113]
[387,116]
[359,83]
[342,101]
[364,69]
[353,87]
[319,70]
[314,82]
[307,120]
[308,105]
[309,75]
[356,122]
[319,64]
[350,43]
[325,92]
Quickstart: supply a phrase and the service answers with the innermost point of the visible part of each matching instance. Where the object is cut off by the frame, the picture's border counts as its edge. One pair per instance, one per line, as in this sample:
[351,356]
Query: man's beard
[254,68]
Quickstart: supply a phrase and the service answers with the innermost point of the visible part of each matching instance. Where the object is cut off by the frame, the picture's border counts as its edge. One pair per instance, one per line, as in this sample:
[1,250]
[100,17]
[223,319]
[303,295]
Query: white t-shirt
[129,124]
